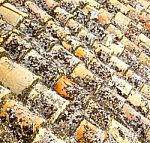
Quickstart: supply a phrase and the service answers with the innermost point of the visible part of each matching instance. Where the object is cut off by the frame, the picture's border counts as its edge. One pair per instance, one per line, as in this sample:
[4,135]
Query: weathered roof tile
[8,72]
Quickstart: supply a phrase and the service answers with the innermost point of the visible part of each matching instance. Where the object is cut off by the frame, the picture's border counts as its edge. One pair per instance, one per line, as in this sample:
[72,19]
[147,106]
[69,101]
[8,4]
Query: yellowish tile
[14,76]
[122,20]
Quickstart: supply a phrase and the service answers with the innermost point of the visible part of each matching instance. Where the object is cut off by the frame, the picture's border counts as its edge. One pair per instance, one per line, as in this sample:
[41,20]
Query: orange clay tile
[102,18]
[80,52]
[148,25]
[82,130]
[144,17]
[61,84]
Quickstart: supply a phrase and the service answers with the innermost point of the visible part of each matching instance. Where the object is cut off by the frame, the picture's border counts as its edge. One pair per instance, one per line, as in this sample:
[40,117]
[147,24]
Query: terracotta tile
[61,86]
[104,17]
[144,71]
[67,122]
[110,99]
[135,80]
[134,61]
[31,26]
[84,54]
[65,60]
[100,69]
[70,5]
[11,7]
[86,132]
[93,3]
[129,74]
[6,30]
[45,68]
[102,52]
[51,3]
[91,83]
[3,91]
[143,17]
[85,78]
[19,83]
[144,47]
[96,29]
[21,120]
[80,52]
[148,25]
[44,41]
[86,36]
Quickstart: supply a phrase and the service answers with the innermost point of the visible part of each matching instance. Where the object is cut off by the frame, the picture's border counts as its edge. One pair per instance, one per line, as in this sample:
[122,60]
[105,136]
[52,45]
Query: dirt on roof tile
[74,71]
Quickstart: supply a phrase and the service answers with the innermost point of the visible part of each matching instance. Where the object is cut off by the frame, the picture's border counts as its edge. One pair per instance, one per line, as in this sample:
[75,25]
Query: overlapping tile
[92,59]
[11,14]
[19,83]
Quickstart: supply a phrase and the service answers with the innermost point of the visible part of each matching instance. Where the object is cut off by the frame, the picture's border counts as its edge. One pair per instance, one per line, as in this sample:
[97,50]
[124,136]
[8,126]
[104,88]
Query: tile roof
[75,71]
